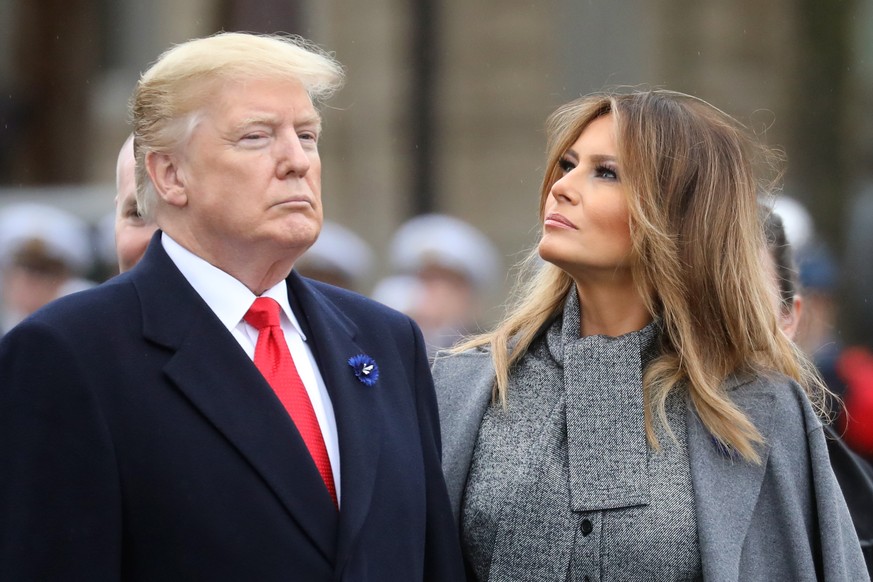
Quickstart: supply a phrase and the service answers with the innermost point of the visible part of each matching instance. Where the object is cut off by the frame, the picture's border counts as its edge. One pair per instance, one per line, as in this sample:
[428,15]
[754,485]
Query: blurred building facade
[445,100]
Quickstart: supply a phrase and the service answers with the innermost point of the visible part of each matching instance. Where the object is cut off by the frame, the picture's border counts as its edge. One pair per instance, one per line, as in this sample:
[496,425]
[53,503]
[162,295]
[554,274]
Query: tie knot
[264,312]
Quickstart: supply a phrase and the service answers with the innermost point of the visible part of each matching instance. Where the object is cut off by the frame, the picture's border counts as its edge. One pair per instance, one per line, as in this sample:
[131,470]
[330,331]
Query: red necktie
[273,359]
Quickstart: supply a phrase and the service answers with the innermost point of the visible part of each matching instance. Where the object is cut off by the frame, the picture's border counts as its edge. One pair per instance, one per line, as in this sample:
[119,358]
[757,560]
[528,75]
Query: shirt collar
[226,296]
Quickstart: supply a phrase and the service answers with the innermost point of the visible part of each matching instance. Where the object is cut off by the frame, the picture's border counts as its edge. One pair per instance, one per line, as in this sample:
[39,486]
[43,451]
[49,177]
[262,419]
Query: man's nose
[292,158]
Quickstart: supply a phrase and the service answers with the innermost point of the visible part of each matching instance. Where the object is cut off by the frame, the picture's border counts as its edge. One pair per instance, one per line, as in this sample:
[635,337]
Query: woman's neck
[611,309]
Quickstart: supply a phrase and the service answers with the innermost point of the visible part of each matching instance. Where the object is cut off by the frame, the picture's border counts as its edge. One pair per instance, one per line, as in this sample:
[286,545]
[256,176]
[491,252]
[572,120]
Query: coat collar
[212,371]
[464,384]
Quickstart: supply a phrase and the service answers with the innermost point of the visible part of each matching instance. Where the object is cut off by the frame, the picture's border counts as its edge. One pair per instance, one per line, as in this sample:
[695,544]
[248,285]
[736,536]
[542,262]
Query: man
[44,251]
[210,415]
[456,266]
[132,231]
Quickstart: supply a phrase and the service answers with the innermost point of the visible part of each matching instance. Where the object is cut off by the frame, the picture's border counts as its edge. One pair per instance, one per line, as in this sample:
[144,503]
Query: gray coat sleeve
[840,547]
[785,519]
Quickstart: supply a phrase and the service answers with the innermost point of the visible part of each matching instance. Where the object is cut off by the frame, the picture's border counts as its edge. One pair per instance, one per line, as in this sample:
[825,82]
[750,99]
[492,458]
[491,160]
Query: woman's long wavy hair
[690,171]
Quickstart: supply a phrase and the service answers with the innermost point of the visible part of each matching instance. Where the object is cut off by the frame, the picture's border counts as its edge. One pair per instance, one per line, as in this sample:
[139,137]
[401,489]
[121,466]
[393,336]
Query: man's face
[251,175]
[132,232]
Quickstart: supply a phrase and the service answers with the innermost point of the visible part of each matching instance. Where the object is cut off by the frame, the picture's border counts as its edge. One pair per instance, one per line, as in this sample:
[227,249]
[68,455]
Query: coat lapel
[213,372]
[726,488]
[359,431]
[463,385]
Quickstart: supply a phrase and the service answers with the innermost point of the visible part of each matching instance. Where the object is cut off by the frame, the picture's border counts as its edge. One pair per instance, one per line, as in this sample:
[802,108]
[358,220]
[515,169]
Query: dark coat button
[586,527]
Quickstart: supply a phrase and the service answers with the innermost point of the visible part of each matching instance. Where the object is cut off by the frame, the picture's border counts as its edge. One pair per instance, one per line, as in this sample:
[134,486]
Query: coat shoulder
[456,368]
[788,405]
[463,383]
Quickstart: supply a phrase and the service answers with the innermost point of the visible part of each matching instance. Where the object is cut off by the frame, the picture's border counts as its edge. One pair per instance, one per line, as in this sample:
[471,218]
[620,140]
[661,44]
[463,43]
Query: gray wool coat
[784,519]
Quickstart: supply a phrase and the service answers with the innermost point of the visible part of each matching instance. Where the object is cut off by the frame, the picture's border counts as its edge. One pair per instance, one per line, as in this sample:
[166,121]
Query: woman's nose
[563,190]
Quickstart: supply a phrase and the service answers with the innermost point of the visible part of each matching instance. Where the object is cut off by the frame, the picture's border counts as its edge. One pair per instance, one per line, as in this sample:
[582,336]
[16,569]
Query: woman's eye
[566,165]
[606,172]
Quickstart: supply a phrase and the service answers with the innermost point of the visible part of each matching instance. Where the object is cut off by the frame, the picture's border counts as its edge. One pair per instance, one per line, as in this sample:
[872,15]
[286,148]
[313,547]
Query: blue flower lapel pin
[365,369]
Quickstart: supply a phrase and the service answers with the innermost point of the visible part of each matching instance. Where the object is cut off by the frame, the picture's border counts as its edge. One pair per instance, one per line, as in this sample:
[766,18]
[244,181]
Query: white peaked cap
[445,241]
[799,227]
[400,292]
[65,235]
[338,248]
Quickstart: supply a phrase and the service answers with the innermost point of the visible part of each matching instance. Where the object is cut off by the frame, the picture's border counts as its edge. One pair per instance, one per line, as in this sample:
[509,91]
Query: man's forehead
[264,101]
[257,117]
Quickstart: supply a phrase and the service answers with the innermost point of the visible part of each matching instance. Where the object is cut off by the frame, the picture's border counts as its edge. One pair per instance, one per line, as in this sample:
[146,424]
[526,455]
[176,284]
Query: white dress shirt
[229,299]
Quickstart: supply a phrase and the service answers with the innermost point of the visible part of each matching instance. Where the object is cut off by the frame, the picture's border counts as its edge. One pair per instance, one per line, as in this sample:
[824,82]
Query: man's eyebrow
[251,120]
[270,119]
[310,120]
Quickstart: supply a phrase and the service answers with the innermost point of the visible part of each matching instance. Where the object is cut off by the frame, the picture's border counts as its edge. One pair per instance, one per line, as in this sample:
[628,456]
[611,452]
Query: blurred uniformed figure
[456,265]
[44,252]
[398,292]
[338,257]
[818,276]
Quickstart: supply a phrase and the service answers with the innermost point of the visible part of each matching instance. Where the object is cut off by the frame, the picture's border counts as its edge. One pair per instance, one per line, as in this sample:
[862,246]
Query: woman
[637,416]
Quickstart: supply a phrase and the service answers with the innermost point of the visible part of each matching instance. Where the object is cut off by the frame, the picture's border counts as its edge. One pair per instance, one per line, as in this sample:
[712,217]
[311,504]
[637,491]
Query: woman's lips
[559,221]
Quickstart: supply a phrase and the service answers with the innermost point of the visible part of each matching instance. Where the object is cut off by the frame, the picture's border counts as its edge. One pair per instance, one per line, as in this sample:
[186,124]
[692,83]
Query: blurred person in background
[210,414]
[44,252]
[132,231]
[456,266]
[338,257]
[123,235]
[846,369]
[400,292]
[104,247]
[854,474]
[816,333]
[634,416]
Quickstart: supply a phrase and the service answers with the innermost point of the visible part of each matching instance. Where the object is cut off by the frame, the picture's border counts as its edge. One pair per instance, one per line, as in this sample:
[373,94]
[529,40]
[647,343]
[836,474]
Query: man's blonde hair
[172,93]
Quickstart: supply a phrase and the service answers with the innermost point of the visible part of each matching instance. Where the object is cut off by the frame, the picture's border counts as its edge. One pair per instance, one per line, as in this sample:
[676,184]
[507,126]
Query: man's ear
[169,182]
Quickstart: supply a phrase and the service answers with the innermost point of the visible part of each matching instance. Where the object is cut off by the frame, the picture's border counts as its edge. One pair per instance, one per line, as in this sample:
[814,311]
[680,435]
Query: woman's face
[585,229]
